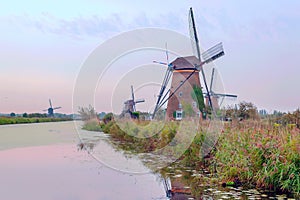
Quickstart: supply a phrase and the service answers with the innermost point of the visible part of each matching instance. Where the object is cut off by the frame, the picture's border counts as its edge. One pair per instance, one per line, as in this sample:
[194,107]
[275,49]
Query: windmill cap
[184,63]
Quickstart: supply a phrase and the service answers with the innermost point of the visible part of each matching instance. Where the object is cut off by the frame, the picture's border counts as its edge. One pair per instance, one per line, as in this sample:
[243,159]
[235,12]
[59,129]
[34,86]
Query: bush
[92,125]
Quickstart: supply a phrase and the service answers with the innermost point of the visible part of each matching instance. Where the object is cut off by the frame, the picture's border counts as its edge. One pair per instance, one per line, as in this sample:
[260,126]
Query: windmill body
[185,75]
[129,106]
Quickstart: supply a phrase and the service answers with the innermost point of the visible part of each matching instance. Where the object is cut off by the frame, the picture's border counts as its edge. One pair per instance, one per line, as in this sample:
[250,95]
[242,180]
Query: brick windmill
[185,71]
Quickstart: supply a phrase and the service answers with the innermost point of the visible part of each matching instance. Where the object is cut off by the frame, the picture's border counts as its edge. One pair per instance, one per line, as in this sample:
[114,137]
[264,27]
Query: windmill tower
[216,96]
[129,105]
[185,75]
[51,109]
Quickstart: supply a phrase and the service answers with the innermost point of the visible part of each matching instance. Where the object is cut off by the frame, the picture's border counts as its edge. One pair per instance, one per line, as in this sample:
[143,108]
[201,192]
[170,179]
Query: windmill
[51,109]
[185,71]
[215,96]
[129,105]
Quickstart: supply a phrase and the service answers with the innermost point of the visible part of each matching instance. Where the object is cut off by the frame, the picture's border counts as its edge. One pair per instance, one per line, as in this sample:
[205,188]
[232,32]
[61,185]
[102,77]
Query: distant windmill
[51,109]
[129,105]
[215,96]
[185,71]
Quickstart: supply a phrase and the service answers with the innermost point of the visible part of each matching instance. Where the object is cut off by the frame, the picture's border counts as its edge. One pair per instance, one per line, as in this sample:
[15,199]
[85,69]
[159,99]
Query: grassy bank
[264,156]
[250,153]
[23,120]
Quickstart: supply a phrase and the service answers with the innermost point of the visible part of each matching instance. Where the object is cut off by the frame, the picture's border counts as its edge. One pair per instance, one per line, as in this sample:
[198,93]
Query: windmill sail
[213,53]
[194,39]
[50,103]
[162,94]
[193,35]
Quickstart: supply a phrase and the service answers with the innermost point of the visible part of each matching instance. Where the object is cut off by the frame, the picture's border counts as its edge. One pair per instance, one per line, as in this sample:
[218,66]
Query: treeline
[37,115]
[247,110]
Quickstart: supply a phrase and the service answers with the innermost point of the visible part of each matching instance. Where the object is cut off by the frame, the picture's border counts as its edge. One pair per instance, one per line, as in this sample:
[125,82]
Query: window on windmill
[178,115]
[179,105]
[194,104]
[180,94]
[181,82]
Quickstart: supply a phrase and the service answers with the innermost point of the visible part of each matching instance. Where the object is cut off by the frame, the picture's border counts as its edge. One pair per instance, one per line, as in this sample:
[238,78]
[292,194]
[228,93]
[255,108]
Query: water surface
[42,161]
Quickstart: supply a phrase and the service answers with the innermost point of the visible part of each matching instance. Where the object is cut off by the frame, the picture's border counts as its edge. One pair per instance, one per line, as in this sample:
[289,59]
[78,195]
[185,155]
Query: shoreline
[26,120]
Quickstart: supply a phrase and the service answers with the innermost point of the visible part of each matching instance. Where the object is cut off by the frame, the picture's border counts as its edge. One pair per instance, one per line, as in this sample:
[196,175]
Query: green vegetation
[197,95]
[22,120]
[264,156]
[92,125]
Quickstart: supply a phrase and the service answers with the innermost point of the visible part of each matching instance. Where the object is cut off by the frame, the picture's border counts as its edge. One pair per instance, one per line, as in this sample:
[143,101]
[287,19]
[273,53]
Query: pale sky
[45,43]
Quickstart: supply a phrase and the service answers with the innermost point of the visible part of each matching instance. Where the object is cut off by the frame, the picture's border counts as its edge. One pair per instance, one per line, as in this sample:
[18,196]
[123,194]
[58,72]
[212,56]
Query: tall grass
[92,125]
[267,157]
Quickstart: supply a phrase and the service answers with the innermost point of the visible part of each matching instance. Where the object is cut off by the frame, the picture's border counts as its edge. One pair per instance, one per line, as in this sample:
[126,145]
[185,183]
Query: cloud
[96,26]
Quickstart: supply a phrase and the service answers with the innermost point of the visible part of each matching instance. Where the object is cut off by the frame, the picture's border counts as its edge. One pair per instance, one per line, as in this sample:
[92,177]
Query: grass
[22,120]
[92,125]
[264,156]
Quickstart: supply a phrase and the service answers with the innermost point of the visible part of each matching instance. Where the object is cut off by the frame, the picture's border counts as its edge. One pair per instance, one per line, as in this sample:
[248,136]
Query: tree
[135,115]
[25,115]
[247,110]
[197,95]
[12,114]
[297,117]
[37,115]
[108,117]
[87,113]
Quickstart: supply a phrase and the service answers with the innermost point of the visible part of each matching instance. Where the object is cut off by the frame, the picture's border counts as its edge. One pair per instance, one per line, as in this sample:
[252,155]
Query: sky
[44,45]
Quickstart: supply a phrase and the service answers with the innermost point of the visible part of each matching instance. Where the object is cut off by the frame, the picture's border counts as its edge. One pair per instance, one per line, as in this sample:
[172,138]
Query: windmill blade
[226,95]
[162,89]
[56,108]
[45,110]
[213,53]
[161,63]
[167,54]
[212,80]
[140,101]
[194,37]
[132,96]
[50,103]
